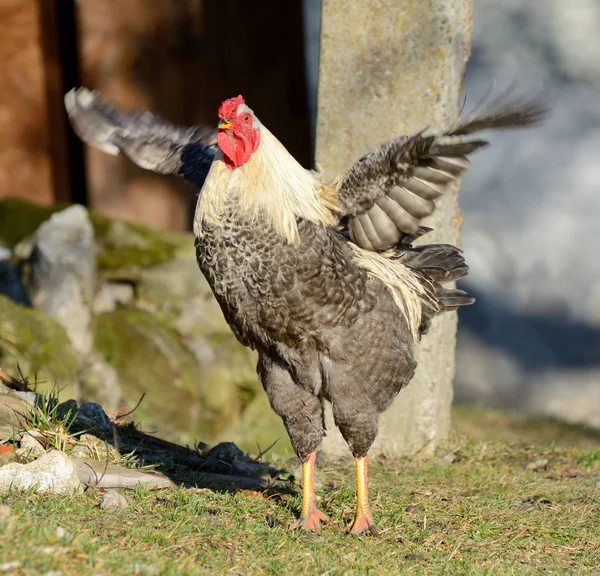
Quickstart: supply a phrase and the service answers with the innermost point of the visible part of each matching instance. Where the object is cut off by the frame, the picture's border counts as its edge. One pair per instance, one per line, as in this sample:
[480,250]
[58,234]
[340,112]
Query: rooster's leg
[363,520]
[310,517]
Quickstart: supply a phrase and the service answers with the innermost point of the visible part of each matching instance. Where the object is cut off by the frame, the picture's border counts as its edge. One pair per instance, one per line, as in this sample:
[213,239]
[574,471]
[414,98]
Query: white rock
[53,472]
[63,533]
[113,501]
[28,397]
[64,273]
[30,448]
[113,294]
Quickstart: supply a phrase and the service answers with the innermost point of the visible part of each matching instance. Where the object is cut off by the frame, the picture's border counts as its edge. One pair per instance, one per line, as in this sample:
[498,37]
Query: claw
[363,522]
[310,523]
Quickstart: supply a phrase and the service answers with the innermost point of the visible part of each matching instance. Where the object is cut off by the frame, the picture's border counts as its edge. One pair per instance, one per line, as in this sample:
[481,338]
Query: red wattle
[255,140]
[237,151]
[227,145]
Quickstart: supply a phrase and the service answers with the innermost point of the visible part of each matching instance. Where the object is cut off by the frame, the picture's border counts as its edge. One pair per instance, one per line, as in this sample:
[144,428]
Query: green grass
[486,513]
[488,424]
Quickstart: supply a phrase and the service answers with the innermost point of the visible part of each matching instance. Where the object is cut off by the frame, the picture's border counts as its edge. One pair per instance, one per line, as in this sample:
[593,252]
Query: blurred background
[531,200]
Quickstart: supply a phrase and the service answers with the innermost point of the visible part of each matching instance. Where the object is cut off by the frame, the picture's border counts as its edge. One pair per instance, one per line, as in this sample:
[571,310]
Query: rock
[151,357]
[113,295]
[10,284]
[63,265]
[54,472]
[8,432]
[38,345]
[67,410]
[30,448]
[100,382]
[90,446]
[98,473]
[448,459]
[13,411]
[113,501]
[127,248]
[92,416]
[10,566]
[234,461]
[179,350]
[63,533]
[260,426]
[174,282]
[30,398]
[539,464]
[201,315]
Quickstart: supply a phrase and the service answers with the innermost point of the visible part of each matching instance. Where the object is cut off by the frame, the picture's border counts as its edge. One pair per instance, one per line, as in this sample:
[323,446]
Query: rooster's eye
[246,118]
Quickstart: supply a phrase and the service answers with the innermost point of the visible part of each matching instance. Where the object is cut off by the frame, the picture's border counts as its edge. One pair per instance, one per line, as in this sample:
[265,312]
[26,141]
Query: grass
[488,424]
[485,513]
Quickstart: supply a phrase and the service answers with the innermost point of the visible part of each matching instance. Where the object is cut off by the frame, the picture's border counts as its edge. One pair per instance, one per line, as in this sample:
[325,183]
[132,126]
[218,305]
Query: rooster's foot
[310,522]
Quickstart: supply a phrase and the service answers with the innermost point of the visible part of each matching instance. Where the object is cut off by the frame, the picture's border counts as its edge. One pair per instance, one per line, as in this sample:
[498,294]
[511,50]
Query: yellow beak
[224,124]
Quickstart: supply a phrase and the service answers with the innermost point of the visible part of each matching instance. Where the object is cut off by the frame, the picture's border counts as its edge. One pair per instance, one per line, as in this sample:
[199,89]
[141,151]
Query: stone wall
[120,312]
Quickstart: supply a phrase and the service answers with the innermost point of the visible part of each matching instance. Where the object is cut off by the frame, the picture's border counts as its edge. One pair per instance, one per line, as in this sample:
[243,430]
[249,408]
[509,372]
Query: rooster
[320,277]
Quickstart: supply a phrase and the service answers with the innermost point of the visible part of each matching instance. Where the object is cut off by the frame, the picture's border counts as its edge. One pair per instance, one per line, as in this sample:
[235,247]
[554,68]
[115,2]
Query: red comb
[229,107]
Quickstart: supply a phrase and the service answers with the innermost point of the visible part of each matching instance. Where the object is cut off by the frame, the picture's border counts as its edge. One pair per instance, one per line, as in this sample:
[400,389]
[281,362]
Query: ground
[477,507]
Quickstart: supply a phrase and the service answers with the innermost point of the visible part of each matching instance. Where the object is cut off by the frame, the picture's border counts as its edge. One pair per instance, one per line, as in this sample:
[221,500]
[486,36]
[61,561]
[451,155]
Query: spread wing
[386,193]
[146,139]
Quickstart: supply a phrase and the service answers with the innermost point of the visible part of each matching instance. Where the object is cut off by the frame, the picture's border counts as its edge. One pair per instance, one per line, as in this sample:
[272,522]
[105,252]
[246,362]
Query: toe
[310,523]
[363,523]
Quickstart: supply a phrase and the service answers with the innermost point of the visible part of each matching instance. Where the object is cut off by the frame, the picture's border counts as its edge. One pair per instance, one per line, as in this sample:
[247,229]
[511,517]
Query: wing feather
[396,185]
[145,138]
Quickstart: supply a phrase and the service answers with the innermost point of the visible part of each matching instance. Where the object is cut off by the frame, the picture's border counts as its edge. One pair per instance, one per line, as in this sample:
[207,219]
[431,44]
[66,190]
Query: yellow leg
[363,520]
[310,516]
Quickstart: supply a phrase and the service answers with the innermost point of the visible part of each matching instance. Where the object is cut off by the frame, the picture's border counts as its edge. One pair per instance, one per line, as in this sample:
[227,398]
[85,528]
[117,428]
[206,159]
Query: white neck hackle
[270,188]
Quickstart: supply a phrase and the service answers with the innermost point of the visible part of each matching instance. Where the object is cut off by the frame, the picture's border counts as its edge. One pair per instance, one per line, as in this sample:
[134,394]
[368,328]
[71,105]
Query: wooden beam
[61,70]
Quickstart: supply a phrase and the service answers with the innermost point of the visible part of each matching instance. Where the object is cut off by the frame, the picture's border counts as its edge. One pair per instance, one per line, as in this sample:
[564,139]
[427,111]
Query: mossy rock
[19,219]
[168,286]
[185,400]
[258,428]
[39,346]
[125,245]
[122,245]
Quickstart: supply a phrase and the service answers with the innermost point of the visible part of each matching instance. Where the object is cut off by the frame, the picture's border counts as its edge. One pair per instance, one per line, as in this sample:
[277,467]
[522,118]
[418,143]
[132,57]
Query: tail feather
[452,299]
[441,262]
[438,264]
[505,111]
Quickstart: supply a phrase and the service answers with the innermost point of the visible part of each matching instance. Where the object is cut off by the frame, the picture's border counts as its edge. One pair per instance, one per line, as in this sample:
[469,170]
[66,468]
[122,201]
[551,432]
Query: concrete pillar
[391,67]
